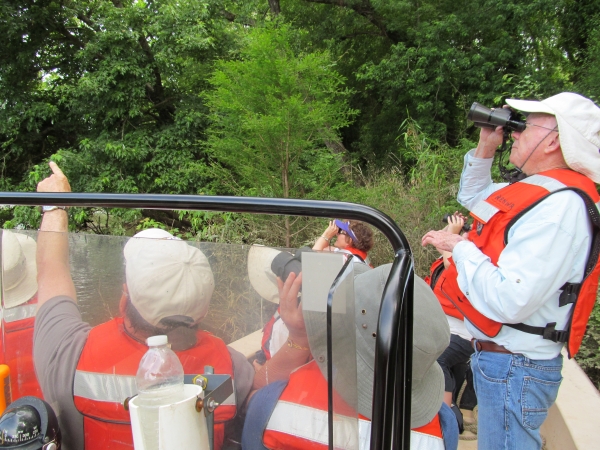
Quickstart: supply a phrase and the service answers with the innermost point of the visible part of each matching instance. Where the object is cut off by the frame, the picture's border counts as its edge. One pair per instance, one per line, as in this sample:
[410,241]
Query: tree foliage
[274,112]
[360,100]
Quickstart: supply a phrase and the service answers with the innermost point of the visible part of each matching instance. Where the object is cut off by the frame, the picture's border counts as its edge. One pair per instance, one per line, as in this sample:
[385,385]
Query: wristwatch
[45,208]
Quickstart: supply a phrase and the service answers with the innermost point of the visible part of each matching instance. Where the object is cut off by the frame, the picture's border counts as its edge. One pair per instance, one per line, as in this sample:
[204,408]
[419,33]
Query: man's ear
[553,145]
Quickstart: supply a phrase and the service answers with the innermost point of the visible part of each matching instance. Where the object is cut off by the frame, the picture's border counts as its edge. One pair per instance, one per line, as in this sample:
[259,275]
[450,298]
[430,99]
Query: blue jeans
[514,394]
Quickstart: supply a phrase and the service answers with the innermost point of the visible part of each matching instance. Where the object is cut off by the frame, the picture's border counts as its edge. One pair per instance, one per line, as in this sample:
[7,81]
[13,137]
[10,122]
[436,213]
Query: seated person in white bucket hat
[265,266]
[86,373]
[264,282]
[19,275]
[292,414]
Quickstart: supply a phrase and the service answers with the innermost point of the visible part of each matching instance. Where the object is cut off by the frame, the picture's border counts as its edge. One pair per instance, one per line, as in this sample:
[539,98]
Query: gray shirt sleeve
[58,339]
[243,373]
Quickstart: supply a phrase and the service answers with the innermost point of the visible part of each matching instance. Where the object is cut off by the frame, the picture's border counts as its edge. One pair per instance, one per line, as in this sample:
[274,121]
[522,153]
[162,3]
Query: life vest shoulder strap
[260,409]
[591,207]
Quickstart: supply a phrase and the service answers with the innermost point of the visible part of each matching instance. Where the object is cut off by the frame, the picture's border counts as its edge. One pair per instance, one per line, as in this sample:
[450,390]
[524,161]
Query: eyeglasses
[539,126]
[340,231]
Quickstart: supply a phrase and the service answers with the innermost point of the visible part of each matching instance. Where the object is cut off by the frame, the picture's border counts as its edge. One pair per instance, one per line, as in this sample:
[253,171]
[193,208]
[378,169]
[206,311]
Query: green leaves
[272,113]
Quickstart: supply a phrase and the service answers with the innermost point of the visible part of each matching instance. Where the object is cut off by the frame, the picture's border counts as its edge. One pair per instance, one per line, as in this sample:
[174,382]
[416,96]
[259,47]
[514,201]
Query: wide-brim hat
[261,277]
[431,336]
[578,120]
[167,277]
[19,275]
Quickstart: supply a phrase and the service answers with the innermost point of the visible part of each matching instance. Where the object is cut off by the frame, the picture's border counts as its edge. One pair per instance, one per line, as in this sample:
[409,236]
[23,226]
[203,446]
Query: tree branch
[275,7]
[366,10]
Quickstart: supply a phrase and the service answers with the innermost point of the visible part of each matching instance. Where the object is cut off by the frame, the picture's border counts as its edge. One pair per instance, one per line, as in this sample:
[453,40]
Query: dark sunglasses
[340,231]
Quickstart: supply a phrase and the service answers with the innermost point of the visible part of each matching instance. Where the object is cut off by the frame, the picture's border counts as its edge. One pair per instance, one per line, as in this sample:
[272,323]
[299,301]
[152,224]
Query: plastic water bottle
[159,382]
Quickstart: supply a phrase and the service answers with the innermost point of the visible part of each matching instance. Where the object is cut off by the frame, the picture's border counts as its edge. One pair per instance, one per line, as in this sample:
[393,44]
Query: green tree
[113,86]
[275,113]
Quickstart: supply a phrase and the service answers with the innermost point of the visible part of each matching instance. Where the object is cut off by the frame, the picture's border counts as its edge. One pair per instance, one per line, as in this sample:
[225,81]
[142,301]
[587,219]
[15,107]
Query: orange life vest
[105,377]
[493,218]
[437,279]
[299,420]
[17,349]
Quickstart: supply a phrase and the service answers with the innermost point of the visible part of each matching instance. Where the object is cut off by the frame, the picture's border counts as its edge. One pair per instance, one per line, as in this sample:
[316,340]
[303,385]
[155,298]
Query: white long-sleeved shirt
[546,248]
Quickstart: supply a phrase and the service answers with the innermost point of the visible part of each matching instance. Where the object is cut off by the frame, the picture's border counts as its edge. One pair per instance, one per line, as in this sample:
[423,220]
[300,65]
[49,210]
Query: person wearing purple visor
[351,237]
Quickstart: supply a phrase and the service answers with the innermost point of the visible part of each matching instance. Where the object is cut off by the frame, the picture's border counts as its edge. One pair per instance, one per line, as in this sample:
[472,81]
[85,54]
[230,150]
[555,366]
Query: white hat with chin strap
[578,120]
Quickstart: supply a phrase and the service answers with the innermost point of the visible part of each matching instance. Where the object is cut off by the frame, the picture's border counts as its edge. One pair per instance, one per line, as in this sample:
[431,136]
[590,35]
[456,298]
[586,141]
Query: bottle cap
[155,341]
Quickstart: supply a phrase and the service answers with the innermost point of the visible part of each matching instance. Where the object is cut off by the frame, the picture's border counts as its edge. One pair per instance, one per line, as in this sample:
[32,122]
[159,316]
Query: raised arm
[54,274]
[476,180]
[297,352]
[323,241]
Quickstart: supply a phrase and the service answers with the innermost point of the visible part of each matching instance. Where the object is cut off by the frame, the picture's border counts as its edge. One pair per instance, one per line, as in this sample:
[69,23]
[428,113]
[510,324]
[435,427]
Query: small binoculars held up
[495,117]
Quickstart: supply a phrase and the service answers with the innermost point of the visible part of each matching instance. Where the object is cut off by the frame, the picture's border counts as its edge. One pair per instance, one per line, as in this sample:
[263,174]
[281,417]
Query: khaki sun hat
[19,270]
[578,121]
[167,277]
[431,336]
[262,278]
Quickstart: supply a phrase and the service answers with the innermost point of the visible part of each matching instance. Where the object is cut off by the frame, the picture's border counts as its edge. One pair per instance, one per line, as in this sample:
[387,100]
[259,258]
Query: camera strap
[510,175]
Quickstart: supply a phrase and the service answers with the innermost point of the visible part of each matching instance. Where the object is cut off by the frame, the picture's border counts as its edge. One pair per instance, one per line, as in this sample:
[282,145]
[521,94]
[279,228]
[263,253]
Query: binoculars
[495,117]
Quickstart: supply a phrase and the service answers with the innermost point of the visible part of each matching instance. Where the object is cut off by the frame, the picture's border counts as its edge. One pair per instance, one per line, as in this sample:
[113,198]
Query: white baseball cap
[578,121]
[167,277]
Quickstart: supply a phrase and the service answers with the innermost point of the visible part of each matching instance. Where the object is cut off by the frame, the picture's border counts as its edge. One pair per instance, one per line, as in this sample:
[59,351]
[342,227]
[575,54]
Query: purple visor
[346,227]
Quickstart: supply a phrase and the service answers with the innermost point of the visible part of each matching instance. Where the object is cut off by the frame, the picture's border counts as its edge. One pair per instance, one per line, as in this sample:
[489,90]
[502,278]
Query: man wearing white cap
[86,373]
[528,270]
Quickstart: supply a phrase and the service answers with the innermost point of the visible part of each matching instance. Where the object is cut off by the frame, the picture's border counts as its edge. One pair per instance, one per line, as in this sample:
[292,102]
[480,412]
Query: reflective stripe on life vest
[19,312]
[311,424]
[548,183]
[112,388]
[483,211]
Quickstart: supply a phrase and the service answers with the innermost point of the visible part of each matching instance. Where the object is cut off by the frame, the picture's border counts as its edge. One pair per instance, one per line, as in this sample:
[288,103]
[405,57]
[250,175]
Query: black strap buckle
[569,294]
[554,335]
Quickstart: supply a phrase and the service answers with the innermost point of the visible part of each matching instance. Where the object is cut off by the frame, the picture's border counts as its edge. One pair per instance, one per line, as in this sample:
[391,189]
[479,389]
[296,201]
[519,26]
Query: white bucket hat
[431,336]
[578,121]
[19,270]
[167,277]
[262,278]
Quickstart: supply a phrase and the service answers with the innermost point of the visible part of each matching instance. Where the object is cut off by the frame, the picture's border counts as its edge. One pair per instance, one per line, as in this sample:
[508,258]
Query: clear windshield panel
[205,287]
[329,277]
[224,293]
